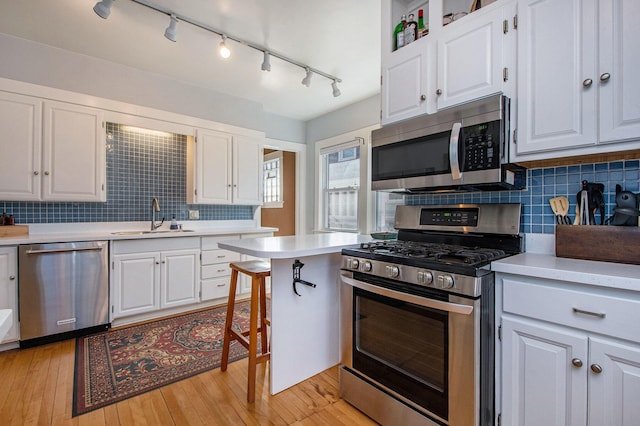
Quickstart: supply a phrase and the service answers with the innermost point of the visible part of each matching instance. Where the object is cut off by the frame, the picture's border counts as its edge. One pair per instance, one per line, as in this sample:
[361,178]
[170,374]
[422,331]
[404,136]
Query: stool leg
[231,302]
[253,340]
[263,316]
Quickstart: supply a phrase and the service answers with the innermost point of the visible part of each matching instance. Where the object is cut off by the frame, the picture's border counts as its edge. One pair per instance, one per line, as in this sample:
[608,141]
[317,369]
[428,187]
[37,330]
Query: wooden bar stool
[258,270]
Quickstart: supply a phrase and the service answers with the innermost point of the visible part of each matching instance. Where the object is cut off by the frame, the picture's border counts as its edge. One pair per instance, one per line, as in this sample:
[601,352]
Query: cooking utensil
[560,206]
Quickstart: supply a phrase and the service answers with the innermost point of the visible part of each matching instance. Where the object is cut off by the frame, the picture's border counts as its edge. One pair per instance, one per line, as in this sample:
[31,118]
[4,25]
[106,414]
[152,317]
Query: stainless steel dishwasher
[63,290]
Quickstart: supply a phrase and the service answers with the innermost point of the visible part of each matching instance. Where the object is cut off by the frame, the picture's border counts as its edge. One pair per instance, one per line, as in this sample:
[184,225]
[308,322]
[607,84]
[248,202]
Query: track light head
[170,32]
[103,8]
[224,50]
[336,91]
[306,81]
[266,63]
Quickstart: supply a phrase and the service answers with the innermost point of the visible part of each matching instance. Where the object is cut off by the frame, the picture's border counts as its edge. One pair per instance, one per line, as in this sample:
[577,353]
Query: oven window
[403,347]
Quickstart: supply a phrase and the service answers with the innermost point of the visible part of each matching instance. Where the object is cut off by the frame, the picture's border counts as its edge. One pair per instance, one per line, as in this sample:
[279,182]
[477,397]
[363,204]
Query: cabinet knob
[163,262]
[596,368]
[587,82]
[157,263]
[36,173]
[439,92]
[577,362]
[423,97]
[604,77]
[12,277]
[46,173]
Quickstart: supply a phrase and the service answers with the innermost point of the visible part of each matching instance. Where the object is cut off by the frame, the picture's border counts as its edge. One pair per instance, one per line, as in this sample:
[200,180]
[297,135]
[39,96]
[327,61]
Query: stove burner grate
[440,253]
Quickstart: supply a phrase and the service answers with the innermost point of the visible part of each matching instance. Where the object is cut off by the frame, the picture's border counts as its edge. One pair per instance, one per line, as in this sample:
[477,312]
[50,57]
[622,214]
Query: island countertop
[295,245]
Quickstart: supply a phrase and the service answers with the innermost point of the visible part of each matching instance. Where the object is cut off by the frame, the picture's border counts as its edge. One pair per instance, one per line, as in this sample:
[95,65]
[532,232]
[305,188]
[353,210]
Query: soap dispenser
[174,224]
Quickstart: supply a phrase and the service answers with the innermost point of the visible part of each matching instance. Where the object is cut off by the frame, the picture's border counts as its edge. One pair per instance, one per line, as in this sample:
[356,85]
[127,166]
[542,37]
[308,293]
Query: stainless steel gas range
[417,315]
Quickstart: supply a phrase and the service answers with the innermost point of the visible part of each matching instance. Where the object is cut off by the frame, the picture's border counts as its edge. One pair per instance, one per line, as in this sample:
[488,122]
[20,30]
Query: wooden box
[620,244]
[13,231]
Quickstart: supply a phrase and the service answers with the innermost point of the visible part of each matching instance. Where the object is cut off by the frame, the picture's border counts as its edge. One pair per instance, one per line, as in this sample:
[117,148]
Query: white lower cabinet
[150,276]
[9,290]
[215,272]
[570,353]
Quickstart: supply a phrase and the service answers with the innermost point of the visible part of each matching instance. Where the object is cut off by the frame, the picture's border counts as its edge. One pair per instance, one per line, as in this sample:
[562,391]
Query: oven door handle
[454,163]
[410,298]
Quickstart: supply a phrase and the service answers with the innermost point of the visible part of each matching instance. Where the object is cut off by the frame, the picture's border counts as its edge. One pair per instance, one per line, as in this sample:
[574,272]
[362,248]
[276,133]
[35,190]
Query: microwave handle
[453,151]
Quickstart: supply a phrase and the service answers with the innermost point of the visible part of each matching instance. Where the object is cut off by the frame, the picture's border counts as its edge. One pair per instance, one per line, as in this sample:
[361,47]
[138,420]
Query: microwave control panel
[481,147]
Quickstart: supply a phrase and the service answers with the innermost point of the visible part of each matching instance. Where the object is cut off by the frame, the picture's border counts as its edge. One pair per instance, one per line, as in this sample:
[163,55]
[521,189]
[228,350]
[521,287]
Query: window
[340,184]
[272,180]
[386,203]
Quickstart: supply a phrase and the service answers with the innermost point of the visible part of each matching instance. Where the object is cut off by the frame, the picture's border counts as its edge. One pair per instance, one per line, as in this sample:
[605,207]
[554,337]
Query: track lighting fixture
[266,63]
[336,91]
[103,8]
[306,81]
[224,50]
[170,32]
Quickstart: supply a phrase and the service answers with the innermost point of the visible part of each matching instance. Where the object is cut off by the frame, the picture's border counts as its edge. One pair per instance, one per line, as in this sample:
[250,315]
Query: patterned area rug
[123,363]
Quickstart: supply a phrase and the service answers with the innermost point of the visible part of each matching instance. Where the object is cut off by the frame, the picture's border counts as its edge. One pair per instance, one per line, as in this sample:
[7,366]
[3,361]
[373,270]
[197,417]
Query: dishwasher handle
[65,250]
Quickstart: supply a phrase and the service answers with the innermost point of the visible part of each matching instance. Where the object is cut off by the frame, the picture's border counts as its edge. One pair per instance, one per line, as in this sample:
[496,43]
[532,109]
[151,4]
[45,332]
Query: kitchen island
[305,338]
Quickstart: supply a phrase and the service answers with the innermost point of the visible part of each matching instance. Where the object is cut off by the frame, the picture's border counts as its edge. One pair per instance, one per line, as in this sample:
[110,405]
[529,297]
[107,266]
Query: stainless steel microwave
[461,148]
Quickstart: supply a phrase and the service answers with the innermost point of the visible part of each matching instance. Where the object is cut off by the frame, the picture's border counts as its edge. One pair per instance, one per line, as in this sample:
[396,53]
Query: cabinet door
[20,144]
[74,165]
[541,385]
[9,290]
[470,62]
[180,277]
[213,167]
[247,171]
[405,82]
[556,61]
[615,391]
[617,76]
[136,284]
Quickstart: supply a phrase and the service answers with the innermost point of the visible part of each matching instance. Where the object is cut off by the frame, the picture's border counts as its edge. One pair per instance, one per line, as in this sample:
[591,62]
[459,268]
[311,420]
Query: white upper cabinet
[55,155]
[577,76]
[224,169]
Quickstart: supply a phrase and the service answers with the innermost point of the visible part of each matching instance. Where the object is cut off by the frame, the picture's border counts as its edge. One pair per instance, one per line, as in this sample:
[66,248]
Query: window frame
[273,156]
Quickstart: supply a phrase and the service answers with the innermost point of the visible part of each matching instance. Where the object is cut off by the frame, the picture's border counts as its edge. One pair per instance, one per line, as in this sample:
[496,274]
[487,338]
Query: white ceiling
[338,37]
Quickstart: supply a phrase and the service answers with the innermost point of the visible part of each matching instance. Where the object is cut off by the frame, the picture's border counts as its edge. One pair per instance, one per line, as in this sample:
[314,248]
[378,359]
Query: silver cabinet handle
[46,173]
[587,82]
[596,368]
[157,263]
[453,151]
[593,314]
[12,277]
[577,362]
[604,77]
[36,173]
[423,97]
[439,92]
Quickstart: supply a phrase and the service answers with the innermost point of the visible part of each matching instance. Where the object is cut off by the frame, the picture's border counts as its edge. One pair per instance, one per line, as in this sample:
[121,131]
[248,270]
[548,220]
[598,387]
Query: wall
[284,218]
[140,166]
[545,183]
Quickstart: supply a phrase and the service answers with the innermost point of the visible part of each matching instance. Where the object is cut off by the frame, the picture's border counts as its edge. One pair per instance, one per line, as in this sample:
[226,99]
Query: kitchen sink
[163,231]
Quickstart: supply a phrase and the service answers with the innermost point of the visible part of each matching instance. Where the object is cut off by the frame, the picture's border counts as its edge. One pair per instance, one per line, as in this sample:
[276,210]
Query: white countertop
[295,246]
[603,274]
[67,232]
[5,321]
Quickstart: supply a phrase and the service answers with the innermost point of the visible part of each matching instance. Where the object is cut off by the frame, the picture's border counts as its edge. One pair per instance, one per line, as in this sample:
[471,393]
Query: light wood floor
[36,388]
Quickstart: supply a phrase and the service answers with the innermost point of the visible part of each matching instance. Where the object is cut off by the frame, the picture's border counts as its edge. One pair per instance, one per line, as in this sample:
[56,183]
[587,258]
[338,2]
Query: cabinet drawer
[614,316]
[211,243]
[215,288]
[214,271]
[210,257]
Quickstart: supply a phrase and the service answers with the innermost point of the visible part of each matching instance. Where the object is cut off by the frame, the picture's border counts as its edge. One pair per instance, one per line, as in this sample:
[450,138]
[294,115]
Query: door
[74,165]
[617,77]
[213,167]
[9,289]
[405,82]
[136,284]
[21,124]
[557,93]
[179,277]
[543,374]
[247,171]
[614,383]
[470,62]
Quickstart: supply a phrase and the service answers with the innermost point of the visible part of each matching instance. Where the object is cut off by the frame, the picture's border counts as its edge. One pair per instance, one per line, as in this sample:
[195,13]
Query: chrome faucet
[155,207]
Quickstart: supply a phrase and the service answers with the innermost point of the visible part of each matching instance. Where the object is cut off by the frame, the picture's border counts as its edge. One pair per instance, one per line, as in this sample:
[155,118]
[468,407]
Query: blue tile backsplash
[545,183]
[140,165]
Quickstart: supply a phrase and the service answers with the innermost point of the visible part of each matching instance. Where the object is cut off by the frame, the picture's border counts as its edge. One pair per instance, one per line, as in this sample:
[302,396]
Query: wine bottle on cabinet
[410,30]
[398,33]
[422,30]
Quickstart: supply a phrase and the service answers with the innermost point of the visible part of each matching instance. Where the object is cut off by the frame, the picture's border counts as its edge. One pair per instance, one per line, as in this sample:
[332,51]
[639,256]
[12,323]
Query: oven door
[421,350]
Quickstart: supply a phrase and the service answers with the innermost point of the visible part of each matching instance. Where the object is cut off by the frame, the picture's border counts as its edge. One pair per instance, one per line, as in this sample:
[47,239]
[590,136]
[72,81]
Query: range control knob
[425,277]
[445,281]
[354,263]
[393,271]
[366,266]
